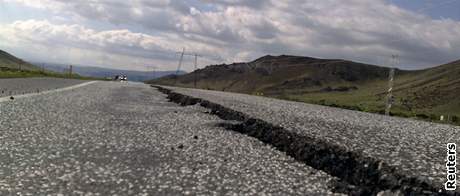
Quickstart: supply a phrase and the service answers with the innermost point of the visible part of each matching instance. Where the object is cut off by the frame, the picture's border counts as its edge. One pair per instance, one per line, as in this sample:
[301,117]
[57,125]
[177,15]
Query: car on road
[120,78]
[124,78]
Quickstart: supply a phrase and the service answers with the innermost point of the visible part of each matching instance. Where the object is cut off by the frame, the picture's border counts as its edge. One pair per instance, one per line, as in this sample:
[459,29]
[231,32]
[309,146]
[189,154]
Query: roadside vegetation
[377,105]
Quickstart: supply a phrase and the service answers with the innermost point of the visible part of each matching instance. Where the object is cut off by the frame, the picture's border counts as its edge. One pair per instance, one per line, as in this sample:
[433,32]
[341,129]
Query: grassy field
[422,94]
[426,102]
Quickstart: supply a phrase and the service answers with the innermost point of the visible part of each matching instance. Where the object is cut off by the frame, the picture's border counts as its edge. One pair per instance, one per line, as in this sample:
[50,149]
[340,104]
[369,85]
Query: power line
[182,54]
[395,58]
[195,66]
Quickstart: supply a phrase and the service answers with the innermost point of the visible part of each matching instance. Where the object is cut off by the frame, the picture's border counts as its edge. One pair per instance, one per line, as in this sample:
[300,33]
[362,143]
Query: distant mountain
[106,72]
[342,83]
[11,62]
[271,74]
[13,67]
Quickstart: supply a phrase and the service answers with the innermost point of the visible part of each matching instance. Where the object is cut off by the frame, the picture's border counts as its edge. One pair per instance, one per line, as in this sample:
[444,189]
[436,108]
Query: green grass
[15,73]
[371,97]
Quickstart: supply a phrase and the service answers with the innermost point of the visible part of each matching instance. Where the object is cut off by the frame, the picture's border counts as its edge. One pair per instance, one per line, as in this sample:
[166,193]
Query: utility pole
[390,97]
[70,71]
[195,74]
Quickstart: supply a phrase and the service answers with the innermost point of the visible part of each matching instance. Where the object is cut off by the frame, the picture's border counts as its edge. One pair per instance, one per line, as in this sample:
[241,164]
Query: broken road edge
[357,174]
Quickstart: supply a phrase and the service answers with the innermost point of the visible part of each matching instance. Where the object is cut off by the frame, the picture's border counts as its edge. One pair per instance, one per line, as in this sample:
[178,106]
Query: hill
[425,93]
[100,72]
[274,75]
[11,62]
[13,67]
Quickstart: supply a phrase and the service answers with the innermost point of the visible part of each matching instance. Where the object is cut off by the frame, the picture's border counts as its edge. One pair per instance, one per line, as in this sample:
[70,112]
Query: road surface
[111,138]
[19,86]
[368,151]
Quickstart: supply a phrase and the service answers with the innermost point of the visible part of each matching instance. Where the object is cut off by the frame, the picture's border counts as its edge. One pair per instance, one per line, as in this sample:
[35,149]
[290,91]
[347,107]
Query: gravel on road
[19,86]
[113,138]
[402,152]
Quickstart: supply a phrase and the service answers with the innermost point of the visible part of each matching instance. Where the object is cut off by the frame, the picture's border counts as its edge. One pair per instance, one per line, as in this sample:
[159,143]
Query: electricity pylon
[180,61]
[195,66]
[195,76]
[179,66]
[390,97]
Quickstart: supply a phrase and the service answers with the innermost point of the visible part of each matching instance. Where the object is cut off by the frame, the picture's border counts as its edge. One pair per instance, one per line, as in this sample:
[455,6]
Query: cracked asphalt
[111,138]
[414,148]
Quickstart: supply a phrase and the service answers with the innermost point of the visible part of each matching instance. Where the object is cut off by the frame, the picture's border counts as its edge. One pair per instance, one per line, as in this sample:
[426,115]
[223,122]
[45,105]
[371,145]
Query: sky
[148,34]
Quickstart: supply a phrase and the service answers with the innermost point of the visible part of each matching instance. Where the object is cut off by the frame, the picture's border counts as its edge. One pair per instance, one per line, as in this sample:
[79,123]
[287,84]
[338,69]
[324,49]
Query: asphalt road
[19,86]
[111,138]
[413,149]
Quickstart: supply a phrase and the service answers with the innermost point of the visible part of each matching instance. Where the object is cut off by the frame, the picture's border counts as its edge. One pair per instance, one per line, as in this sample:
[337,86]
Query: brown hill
[272,74]
[11,62]
[348,84]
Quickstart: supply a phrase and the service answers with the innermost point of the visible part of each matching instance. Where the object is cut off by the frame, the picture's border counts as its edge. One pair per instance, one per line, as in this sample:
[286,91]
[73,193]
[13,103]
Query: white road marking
[4,99]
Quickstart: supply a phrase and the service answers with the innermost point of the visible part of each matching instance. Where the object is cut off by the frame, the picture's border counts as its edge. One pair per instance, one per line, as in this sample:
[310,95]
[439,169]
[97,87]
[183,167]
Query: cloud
[242,3]
[241,30]
[123,43]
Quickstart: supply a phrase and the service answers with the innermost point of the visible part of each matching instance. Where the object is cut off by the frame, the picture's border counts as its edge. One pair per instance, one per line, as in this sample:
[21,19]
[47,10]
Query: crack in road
[359,175]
